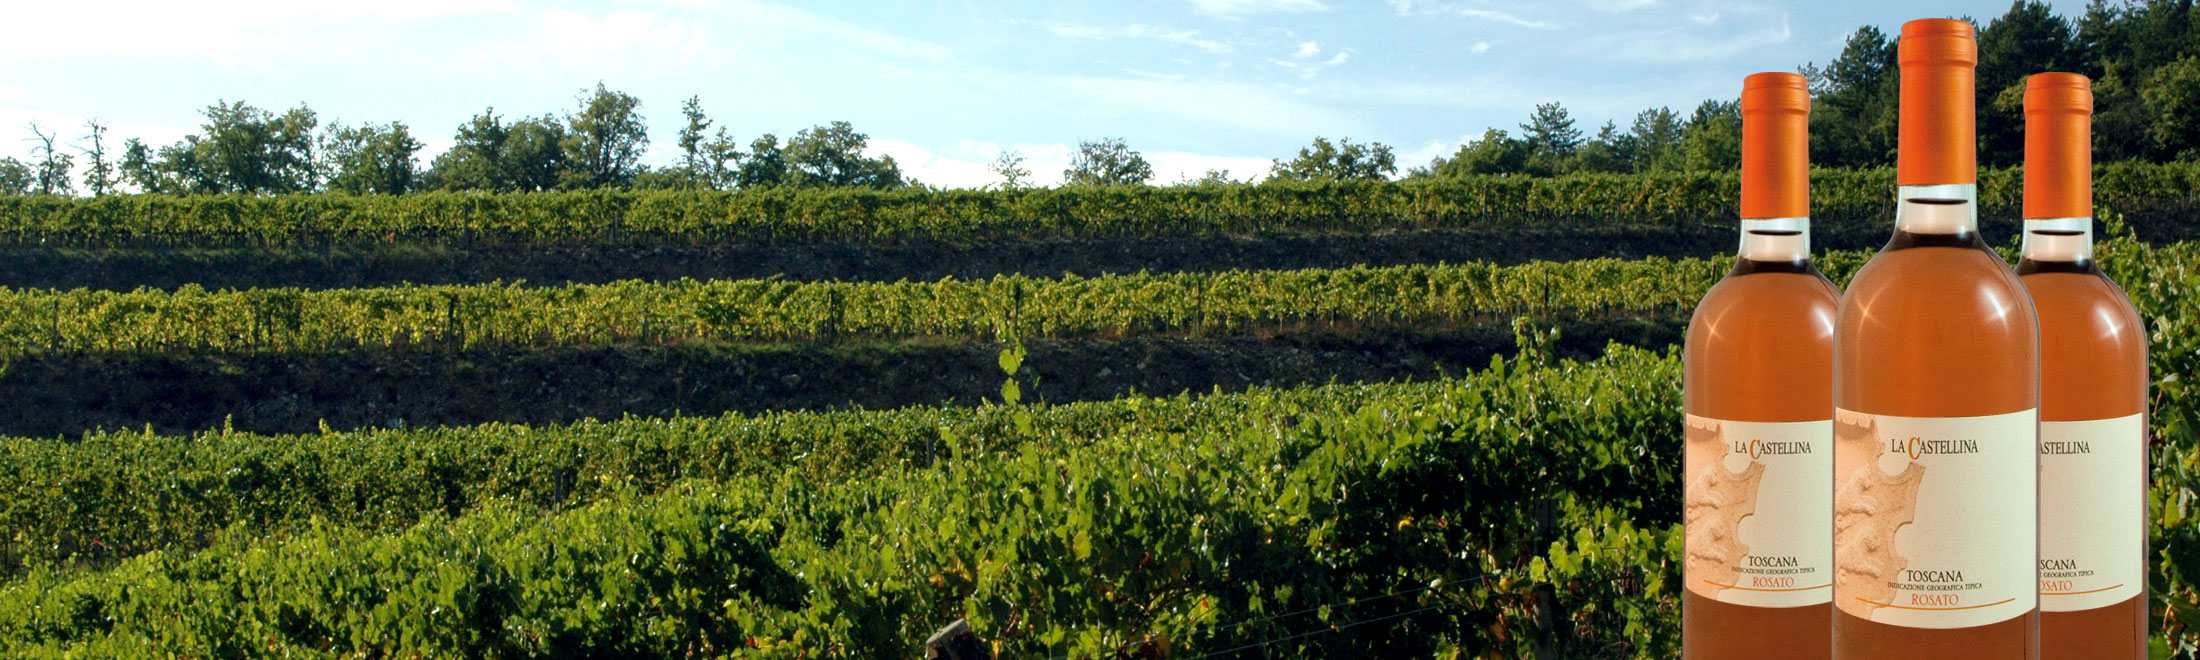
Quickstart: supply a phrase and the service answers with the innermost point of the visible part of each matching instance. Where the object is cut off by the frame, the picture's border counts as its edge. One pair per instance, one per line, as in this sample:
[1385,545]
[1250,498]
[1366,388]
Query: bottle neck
[1945,209]
[1776,240]
[2058,240]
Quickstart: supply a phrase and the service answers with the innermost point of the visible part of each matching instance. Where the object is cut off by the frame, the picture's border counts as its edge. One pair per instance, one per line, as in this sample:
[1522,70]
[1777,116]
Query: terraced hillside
[1338,456]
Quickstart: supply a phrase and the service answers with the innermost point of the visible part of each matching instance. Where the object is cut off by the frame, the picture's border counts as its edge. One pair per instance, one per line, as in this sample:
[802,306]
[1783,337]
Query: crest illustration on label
[1934,520]
[2092,512]
[1758,512]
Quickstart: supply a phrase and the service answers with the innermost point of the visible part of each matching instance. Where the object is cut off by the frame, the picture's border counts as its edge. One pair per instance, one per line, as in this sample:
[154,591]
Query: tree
[1341,161]
[1713,139]
[706,162]
[1495,153]
[371,159]
[51,168]
[2121,119]
[604,140]
[535,154]
[1106,162]
[240,149]
[1010,165]
[832,155]
[475,160]
[766,164]
[1550,136]
[2028,39]
[2173,94]
[691,140]
[1852,121]
[1654,140]
[148,171]
[1609,151]
[1210,179]
[16,177]
[488,154]
[99,175]
[244,149]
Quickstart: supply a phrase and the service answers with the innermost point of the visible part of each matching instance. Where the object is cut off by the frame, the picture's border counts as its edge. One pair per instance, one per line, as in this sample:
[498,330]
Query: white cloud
[563,40]
[1237,105]
[1156,76]
[933,168]
[1410,7]
[9,91]
[1308,70]
[1174,166]
[1179,37]
[1480,47]
[1503,17]
[1422,155]
[1627,5]
[1308,49]
[220,30]
[1242,8]
[1681,44]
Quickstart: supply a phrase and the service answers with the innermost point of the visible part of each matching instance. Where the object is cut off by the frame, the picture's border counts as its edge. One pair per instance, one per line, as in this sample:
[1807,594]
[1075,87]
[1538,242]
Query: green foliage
[192,319]
[1009,164]
[1550,137]
[709,163]
[371,159]
[1495,153]
[1713,140]
[100,176]
[2029,39]
[1341,160]
[910,216]
[1106,162]
[832,156]
[1399,520]
[1179,525]
[490,155]
[240,149]
[2173,91]
[16,178]
[603,141]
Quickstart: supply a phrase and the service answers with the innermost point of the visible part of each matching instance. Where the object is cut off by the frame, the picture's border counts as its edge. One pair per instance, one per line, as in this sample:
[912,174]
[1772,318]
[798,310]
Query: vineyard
[1519,500]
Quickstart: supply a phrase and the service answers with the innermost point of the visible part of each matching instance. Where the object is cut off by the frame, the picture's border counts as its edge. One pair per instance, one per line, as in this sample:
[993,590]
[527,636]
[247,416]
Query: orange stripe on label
[1937,609]
[2079,593]
[1729,586]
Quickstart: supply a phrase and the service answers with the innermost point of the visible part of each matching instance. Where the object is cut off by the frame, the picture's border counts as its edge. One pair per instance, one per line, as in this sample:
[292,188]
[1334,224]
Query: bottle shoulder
[1933,272]
[1801,305]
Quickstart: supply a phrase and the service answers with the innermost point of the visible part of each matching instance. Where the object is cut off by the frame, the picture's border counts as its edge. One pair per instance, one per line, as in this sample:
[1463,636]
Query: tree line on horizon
[2143,55]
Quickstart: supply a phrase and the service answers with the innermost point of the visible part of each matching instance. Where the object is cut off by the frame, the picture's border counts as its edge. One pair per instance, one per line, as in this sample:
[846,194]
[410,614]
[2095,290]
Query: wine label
[2092,512]
[1759,512]
[1935,519]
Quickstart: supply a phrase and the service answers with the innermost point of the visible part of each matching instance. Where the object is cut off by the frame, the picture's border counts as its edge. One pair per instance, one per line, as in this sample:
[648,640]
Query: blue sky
[942,85]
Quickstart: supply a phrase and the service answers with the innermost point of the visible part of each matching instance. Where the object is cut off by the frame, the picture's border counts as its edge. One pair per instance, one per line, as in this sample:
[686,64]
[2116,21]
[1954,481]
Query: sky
[943,86]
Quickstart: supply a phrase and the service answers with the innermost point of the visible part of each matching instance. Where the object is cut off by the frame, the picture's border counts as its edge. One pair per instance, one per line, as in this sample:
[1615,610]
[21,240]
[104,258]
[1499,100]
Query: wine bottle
[1758,393]
[2093,394]
[1936,395]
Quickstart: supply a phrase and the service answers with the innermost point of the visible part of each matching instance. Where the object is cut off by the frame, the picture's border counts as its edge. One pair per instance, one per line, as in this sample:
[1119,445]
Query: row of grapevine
[798,216]
[689,311]
[1192,524]
[1447,519]
[511,316]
